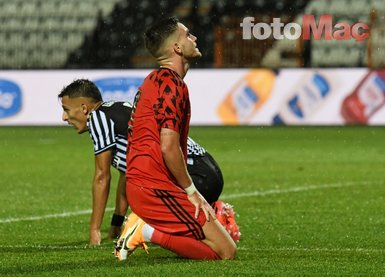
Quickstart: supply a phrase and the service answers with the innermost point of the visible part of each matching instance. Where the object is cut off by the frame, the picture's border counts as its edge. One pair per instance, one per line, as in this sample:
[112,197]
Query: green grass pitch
[309,200]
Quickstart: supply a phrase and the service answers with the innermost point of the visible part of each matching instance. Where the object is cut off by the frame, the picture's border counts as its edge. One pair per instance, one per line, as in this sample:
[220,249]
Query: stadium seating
[336,53]
[108,33]
[117,42]
[53,28]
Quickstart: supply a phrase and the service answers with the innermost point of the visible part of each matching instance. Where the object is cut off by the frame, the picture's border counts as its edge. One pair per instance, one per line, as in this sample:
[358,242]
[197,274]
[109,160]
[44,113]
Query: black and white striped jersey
[108,130]
[108,127]
[194,149]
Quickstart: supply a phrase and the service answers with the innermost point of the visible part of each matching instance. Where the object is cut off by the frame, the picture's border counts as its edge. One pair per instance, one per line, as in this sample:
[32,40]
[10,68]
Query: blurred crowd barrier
[218,96]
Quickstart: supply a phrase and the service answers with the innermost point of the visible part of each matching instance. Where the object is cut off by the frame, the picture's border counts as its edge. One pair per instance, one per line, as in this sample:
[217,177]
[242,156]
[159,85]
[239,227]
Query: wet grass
[309,202]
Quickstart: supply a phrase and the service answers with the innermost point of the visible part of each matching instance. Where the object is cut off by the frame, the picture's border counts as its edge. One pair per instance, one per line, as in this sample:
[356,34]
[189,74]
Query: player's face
[75,113]
[188,43]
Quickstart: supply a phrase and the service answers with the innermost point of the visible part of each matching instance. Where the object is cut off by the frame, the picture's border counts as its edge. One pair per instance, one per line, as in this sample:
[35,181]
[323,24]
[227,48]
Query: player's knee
[229,253]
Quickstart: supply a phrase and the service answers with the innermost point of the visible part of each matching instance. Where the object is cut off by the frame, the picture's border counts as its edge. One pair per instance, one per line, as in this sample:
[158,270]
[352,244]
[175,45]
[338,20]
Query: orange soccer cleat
[225,215]
[130,238]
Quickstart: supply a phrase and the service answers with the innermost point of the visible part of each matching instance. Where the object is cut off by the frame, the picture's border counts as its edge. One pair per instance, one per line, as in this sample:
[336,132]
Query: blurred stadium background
[56,34]
[309,200]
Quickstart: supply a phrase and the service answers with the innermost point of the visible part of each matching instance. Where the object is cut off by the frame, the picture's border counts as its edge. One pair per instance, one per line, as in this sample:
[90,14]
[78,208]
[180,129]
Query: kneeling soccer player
[106,123]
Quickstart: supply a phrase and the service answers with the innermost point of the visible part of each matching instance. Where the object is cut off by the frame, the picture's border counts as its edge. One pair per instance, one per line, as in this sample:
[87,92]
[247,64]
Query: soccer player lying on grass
[107,124]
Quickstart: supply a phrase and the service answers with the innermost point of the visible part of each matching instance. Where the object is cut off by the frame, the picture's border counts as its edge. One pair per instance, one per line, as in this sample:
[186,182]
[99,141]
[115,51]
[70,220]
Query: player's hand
[95,237]
[114,232]
[200,203]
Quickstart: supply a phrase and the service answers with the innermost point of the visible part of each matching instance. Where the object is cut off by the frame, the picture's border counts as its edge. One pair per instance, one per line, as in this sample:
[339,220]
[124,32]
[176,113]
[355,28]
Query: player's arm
[121,207]
[100,191]
[173,156]
[174,159]
[121,199]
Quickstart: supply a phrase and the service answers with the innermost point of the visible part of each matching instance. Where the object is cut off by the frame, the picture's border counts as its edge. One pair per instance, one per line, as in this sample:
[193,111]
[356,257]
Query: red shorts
[167,211]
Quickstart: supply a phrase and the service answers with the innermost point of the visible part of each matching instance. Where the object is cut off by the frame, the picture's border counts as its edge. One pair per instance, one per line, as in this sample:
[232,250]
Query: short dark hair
[155,36]
[81,88]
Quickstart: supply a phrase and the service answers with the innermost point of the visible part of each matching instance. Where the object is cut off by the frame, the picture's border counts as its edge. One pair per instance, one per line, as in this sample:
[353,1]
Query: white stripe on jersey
[112,128]
[101,131]
[108,129]
[98,132]
[122,145]
[105,128]
[194,149]
[121,155]
[92,134]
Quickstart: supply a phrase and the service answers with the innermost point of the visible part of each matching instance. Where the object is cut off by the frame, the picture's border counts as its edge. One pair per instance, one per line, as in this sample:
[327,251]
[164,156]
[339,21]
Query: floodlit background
[44,45]
[56,34]
[295,125]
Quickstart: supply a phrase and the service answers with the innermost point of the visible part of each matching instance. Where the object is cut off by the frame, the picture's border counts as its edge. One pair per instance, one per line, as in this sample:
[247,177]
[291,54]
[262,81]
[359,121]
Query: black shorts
[207,177]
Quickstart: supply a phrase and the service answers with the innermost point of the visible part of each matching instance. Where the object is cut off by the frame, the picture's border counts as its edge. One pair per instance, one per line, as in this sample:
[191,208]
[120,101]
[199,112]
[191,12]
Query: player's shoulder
[111,105]
[109,109]
[170,76]
[165,80]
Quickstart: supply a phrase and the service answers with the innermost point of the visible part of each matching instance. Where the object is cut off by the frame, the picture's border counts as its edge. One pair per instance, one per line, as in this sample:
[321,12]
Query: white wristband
[190,189]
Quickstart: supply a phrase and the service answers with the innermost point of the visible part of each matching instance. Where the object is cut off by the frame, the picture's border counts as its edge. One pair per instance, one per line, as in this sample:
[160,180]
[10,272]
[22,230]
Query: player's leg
[184,246]
[217,243]
[136,233]
[219,240]
[172,217]
[208,179]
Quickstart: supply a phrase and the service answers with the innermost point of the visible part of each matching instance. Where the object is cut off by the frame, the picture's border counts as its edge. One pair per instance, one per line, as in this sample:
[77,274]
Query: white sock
[147,232]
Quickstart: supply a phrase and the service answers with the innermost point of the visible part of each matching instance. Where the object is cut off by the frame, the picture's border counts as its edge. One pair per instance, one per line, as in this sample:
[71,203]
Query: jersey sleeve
[101,131]
[170,104]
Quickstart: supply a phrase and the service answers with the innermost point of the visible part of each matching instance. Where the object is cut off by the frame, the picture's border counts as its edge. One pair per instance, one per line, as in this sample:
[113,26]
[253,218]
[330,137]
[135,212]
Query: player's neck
[97,105]
[180,67]
[93,107]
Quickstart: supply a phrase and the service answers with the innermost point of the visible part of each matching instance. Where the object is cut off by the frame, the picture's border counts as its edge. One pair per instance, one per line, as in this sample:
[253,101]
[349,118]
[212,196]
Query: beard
[196,54]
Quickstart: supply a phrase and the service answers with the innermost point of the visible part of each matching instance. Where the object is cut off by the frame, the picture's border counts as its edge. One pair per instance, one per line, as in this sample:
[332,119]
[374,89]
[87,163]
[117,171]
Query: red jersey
[161,102]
